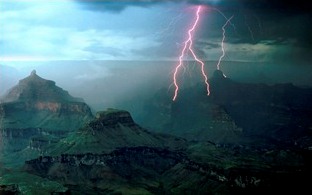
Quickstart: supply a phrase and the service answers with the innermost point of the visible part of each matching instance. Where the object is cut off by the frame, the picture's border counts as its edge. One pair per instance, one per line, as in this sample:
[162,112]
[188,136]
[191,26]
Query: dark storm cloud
[277,20]
[289,7]
[285,7]
[117,6]
[274,14]
[207,44]
[280,41]
[256,20]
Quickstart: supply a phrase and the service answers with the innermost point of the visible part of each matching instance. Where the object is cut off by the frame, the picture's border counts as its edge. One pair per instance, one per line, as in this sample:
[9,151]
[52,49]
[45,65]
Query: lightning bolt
[222,43]
[222,14]
[249,29]
[188,45]
[170,27]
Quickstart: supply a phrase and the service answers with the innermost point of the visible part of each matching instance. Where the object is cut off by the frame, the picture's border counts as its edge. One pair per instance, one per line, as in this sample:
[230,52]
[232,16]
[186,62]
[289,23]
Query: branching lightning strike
[223,15]
[188,45]
[249,29]
[222,43]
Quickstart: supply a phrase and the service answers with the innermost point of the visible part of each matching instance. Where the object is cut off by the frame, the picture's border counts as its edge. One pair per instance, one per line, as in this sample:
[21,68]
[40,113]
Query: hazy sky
[67,41]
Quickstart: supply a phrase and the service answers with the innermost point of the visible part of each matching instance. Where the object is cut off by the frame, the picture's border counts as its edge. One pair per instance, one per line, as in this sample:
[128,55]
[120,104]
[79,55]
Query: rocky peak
[33,72]
[112,118]
[34,88]
[38,103]
[218,74]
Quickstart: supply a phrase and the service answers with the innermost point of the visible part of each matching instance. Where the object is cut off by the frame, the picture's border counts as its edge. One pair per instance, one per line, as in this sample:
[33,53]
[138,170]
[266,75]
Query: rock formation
[39,103]
[277,112]
[36,106]
[193,116]
[110,130]
[112,154]
[233,113]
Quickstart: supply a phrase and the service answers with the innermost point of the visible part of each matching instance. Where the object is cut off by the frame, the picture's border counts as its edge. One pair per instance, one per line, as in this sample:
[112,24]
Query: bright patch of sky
[38,30]
[63,30]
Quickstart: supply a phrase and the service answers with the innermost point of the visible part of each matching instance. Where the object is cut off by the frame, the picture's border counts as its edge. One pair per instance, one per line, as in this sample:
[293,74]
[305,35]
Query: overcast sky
[262,30]
[66,40]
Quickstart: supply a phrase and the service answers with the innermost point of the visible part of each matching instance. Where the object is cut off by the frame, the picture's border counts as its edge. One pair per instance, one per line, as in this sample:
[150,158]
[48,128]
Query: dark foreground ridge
[173,173]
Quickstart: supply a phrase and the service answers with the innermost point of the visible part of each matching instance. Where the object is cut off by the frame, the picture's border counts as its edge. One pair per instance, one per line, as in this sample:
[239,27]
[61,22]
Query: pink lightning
[222,43]
[188,44]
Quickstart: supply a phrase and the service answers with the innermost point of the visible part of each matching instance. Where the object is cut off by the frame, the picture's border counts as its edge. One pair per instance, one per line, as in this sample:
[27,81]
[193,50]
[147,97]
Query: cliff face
[57,116]
[279,112]
[151,170]
[112,118]
[145,168]
[38,103]
[37,106]
[121,161]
